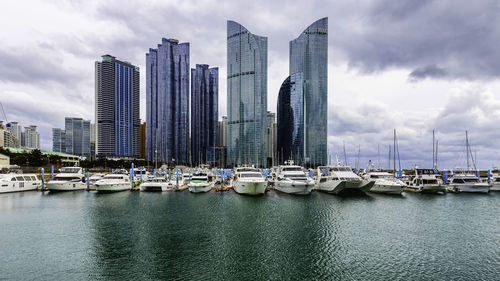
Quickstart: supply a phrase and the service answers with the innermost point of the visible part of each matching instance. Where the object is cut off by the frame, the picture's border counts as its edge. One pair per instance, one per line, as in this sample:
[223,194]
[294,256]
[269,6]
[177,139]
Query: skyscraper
[117,108]
[31,137]
[77,136]
[58,140]
[167,102]
[204,113]
[291,120]
[309,57]
[246,96]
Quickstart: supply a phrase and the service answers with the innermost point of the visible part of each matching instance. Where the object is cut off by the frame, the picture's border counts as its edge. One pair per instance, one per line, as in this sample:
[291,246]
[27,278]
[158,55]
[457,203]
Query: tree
[36,159]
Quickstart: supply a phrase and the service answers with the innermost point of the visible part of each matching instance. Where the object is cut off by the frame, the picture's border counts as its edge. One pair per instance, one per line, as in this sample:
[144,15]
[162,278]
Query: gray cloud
[429,71]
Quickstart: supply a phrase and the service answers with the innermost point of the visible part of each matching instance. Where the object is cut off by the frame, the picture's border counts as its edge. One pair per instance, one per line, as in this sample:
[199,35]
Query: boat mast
[345,155]
[394,152]
[433,152]
[378,156]
[467,148]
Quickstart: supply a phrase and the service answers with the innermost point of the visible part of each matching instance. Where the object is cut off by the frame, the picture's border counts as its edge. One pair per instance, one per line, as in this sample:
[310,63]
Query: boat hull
[297,188]
[471,188]
[199,187]
[108,188]
[65,186]
[432,188]
[250,188]
[495,187]
[387,189]
[17,188]
[339,187]
[154,188]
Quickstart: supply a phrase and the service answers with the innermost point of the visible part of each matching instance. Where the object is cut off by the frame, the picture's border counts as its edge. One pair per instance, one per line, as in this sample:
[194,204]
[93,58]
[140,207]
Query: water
[225,236]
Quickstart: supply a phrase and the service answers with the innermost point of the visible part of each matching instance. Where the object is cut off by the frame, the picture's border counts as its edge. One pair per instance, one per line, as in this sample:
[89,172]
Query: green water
[226,236]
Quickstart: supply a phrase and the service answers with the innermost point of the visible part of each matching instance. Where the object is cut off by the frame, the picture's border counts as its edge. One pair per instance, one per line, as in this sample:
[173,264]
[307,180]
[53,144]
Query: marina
[140,235]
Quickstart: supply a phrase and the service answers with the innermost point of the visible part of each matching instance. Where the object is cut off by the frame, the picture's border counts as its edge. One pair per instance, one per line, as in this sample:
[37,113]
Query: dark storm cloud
[460,37]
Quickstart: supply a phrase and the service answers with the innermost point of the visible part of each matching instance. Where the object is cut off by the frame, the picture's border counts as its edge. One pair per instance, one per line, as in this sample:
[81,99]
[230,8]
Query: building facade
[291,120]
[31,138]
[17,133]
[77,135]
[204,113]
[58,140]
[167,102]
[246,97]
[143,140]
[117,108]
[309,57]
[271,139]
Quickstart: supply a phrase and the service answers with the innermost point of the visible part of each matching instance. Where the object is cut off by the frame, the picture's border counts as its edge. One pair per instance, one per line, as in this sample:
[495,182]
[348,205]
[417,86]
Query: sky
[412,66]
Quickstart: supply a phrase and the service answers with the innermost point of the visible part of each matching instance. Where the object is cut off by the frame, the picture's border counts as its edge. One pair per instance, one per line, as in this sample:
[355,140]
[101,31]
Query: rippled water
[134,235]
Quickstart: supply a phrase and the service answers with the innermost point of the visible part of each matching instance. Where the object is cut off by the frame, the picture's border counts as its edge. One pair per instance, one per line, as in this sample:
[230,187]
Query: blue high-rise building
[117,108]
[246,96]
[204,113]
[167,102]
[309,64]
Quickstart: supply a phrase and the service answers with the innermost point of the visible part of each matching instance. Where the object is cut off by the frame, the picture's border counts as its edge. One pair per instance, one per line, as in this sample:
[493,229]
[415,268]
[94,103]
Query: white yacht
[113,182]
[248,181]
[341,180]
[425,181]
[468,182]
[158,184]
[18,182]
[176,182]
[293,180]
[95,177]
[495,181]
[68,179]
[200,182]
[385,183]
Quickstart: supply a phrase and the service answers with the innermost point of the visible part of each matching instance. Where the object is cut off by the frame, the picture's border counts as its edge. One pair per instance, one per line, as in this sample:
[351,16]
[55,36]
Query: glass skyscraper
[117,108]
[58,140]
[204,113]
[246,96]
[76,137]
[309,58]
[291,120]
[167,102]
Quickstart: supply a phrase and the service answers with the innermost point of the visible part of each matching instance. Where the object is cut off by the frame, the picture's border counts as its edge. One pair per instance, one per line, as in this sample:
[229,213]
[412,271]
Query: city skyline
[387,67]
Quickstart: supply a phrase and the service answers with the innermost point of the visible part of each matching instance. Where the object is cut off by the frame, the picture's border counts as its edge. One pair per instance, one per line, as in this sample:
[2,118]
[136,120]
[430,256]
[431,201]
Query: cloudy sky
[413,66]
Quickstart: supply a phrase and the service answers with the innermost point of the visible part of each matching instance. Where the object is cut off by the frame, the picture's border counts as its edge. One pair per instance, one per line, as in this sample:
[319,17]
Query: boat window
[13,179]
[471,180]
[251,175]
[430,181]
[458,181]
[296,177]
[66,178]
[34,178]
[292,169]
[20,178]
[70,170]
[27,178]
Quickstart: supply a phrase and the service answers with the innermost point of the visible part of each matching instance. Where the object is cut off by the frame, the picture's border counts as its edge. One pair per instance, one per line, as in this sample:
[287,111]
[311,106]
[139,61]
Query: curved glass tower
[246,96]
[309,56]
[291,120]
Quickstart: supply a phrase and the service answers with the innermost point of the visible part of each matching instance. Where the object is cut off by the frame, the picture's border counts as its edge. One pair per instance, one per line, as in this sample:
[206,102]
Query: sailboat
[466,180]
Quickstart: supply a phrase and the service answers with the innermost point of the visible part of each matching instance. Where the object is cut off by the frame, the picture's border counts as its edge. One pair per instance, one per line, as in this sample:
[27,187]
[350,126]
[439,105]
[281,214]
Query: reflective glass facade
[291,120]
[117,108]
[167,102]
[77,136]
[204,113]
[246,96]
[58,140]
[309,56]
